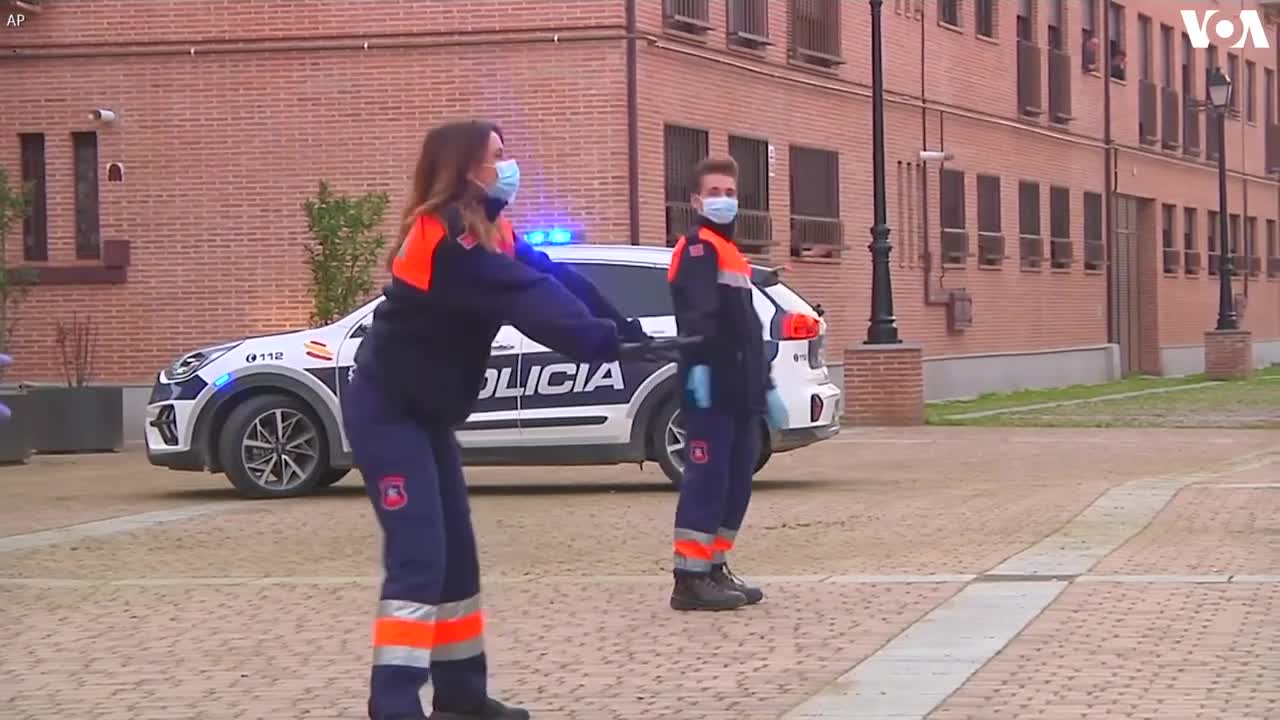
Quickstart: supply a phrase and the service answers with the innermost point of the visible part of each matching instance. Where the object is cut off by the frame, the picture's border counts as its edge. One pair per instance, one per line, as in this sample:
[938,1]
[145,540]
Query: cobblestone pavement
[869,545]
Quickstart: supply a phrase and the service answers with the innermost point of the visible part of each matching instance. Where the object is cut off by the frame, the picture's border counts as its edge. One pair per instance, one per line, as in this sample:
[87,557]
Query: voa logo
[1247,24]
[554,379]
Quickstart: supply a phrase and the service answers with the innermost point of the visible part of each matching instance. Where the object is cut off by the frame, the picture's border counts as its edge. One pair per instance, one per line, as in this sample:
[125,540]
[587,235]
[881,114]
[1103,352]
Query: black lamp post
[1220,100]
[883,329]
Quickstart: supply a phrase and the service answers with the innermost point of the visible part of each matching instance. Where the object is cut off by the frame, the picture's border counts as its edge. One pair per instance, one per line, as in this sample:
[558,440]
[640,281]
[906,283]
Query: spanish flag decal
[318,350]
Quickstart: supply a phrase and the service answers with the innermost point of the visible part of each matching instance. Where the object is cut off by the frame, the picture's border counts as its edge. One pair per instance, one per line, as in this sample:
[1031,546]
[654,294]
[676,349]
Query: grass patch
[1252,403]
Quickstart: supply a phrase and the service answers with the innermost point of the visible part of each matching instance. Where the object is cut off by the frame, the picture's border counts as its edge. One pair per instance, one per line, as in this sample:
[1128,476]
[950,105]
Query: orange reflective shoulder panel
[508,236]
[413,264]
[732,266]
[676,252]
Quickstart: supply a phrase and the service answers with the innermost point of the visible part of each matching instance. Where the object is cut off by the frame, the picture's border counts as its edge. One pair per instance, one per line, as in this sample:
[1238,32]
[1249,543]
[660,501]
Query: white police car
[265,410]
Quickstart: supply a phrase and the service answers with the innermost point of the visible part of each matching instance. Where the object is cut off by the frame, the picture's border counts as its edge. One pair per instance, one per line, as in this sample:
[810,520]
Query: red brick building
[179,223]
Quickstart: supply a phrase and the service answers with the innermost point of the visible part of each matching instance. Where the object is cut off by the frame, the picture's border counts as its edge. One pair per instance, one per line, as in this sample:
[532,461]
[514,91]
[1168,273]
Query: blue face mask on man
[507,183]
[720,210]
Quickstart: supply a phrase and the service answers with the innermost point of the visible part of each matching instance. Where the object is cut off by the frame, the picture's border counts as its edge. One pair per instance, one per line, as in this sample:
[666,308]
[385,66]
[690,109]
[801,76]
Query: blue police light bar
[554,236]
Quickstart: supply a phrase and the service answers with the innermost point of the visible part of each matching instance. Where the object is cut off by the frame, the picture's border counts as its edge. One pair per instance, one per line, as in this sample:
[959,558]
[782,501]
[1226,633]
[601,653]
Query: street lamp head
[1219,89]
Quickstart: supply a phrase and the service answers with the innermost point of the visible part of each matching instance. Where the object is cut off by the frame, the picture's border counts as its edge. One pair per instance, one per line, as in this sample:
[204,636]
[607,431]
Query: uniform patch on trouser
[412,634]
[722,545]
[698,452]
[393,493]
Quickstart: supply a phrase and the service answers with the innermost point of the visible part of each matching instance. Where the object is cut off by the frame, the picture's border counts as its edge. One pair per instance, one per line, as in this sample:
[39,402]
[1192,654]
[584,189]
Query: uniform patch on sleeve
[466,241]
[696,250]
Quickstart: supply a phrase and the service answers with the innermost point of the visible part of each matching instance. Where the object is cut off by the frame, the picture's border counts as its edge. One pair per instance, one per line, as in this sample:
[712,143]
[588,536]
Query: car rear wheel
[668,439]
[273,446]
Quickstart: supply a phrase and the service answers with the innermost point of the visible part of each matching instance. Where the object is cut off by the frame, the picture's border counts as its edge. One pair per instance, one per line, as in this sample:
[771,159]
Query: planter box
[78,419]
[17,431]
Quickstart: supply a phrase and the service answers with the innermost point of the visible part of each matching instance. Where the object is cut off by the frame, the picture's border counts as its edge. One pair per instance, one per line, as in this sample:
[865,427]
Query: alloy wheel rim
[676,439]
[280,449]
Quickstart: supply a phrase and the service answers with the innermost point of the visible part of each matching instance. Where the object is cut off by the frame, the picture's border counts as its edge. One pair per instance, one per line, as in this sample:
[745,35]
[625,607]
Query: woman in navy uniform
[456,277]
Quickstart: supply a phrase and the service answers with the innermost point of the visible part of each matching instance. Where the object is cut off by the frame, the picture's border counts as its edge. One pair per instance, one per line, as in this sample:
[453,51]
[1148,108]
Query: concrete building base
[1189,359]
[1228,354]
[884,384]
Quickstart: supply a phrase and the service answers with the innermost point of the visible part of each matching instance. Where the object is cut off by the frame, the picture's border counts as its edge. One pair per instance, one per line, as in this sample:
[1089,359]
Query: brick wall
[220,151]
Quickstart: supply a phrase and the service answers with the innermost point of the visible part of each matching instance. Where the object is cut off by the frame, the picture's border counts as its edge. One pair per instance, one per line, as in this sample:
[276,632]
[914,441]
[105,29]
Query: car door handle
[502,346]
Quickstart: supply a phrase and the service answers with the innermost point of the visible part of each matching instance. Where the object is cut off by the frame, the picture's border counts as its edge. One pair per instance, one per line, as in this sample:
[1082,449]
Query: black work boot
[700,592]
[491,710]
[724,577]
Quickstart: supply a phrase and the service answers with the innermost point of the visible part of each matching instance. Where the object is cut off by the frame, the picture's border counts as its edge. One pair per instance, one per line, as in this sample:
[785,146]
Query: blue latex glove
[775,410]
[699,385]
[4,409]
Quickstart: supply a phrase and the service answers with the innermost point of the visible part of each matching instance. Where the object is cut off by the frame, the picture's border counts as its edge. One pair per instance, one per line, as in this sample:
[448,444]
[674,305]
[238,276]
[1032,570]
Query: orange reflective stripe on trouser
[723,544]
[415,634]
[507,236]
[459,630]
[694,550]
[417,253]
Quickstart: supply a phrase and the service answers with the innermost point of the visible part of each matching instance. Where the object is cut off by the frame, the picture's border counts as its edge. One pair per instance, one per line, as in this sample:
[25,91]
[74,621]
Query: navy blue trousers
[721,451]
[429,620]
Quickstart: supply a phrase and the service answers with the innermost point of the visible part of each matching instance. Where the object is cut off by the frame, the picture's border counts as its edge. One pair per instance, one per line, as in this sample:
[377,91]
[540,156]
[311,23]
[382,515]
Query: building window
[1273,250]
[35,226]
[1250,91]
[1211,241]
[990,235]
[1166,55]
[816,230]
[955,238]
[1060,255]
[1095,254]
[1089,50]
[749,23]
[1144,48]
[682,148]
[88,239]
[1168,237]
[1188,69]
[949,12]
[1233,242]
[1233,72]
[815,32]
[1190,252]
[1117,56]
[1030,242]
[1251,246]
[1057,26]
[984,17]
[691,16]
[1269,96]
[754,228]
[1026,22]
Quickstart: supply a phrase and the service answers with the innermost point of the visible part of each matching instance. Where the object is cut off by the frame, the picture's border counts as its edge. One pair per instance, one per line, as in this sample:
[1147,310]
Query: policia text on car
[728,387]
[458,275]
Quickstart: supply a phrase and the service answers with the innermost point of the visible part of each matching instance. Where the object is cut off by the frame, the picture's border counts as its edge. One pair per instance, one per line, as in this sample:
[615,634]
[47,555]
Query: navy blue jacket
[712,292]
[429,343]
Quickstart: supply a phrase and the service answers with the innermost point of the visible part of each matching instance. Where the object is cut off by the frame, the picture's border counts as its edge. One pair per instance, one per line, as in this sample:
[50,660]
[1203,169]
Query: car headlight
[189,364]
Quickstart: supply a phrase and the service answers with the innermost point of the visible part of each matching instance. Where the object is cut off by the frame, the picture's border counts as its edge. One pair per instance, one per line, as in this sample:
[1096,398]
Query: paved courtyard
[948,573]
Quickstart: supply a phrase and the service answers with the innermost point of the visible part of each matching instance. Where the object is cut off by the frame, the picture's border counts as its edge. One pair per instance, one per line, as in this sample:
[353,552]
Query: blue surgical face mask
[720,210]
[508,182]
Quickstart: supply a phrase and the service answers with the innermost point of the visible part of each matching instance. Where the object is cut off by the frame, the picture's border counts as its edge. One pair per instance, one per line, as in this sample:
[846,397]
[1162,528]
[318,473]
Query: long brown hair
[449,152]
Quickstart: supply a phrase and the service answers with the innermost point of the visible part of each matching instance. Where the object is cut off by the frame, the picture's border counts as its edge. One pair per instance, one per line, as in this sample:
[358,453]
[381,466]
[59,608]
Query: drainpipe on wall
[943,296]
[633,125]
[1108,167]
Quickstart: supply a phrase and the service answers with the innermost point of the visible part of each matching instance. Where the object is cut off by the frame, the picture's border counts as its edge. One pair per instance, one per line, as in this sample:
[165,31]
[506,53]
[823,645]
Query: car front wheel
[273,446]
